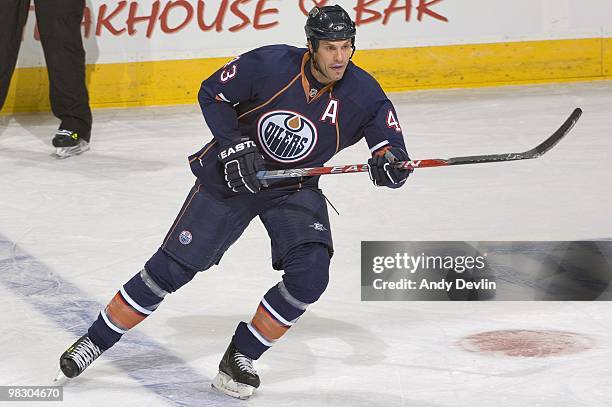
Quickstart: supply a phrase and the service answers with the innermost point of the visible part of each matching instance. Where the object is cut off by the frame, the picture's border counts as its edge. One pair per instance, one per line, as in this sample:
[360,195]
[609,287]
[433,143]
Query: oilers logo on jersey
[286,136]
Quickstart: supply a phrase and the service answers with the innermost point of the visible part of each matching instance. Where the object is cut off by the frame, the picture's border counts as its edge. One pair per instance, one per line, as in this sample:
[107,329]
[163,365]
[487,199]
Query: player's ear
[309,46]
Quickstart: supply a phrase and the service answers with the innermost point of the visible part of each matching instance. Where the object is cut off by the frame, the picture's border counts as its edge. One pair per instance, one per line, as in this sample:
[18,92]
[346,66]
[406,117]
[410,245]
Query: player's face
[332,58]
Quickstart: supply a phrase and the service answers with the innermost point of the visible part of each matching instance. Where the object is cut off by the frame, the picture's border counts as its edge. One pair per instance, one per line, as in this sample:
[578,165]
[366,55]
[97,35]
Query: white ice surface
[73,231]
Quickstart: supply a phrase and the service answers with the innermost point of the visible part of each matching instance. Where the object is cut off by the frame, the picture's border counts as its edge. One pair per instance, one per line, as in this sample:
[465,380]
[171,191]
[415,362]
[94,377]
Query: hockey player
[275,107]
[59,23]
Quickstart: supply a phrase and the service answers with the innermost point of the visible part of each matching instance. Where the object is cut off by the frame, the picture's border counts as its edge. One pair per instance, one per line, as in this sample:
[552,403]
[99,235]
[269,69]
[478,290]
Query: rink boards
[168,82]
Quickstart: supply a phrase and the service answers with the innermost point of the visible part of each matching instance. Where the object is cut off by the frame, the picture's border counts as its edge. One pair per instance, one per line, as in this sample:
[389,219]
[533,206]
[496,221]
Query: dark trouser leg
[305,279]
[59,23]
[13,16]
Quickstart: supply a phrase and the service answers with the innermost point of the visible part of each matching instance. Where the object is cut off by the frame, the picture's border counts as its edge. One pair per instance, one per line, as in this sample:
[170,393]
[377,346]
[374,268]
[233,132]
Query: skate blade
[227,385]
[65,152]
[60,380]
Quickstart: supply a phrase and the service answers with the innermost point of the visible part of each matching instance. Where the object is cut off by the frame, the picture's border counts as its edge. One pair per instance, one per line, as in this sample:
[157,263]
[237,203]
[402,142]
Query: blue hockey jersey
[270,96]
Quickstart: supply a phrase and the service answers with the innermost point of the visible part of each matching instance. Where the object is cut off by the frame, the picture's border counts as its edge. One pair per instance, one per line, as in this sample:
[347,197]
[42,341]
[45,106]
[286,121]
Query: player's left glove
[241,162]
[383,172]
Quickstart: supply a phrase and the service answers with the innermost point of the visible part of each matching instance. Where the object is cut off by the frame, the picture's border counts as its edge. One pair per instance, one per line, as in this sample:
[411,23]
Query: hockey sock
[136,300]
[276,313]
[306,276]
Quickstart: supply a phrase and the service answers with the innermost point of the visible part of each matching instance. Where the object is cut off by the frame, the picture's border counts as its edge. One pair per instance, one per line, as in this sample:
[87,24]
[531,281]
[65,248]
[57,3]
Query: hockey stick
[535,152]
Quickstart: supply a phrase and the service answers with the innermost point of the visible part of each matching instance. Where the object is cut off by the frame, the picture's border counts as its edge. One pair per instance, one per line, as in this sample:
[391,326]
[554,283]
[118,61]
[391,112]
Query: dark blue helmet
[329,23]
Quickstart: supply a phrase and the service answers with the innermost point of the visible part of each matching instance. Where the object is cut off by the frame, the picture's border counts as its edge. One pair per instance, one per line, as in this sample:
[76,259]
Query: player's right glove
[241,162]
[383,172]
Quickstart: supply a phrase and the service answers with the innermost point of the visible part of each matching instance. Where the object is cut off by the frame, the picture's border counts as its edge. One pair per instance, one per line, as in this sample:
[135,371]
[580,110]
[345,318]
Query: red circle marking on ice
[526,343]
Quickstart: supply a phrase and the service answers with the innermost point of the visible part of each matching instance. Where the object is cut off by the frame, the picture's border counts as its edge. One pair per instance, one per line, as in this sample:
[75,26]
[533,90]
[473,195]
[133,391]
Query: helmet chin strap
[315,63]
[313,59]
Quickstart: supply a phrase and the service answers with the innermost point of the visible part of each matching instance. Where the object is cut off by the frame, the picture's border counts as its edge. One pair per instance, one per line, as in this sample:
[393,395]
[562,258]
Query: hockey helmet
[329,23]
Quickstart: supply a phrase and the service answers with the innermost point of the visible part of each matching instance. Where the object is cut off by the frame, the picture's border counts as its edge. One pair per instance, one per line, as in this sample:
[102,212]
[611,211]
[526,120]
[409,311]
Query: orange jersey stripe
[181,215]
[204,152]
[272,98]
[337,129]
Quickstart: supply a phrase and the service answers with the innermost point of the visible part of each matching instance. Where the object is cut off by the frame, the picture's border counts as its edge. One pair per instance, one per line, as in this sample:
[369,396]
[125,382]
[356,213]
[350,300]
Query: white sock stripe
[152,285]
[110,324]
[258,336]
[134,303]
[290,298]
[276,314]
[379,145]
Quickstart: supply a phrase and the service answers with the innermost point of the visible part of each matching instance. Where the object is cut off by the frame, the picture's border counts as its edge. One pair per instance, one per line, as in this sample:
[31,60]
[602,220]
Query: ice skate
[236,377]
[68,143]
[77,357]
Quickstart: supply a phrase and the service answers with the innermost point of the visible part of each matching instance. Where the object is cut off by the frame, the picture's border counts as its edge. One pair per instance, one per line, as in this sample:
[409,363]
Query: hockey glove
[382,171]
[241,162]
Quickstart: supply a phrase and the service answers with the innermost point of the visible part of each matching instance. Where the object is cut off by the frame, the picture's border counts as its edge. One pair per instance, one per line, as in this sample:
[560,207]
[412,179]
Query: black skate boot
[78,356]
[236,376]
[68,143]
